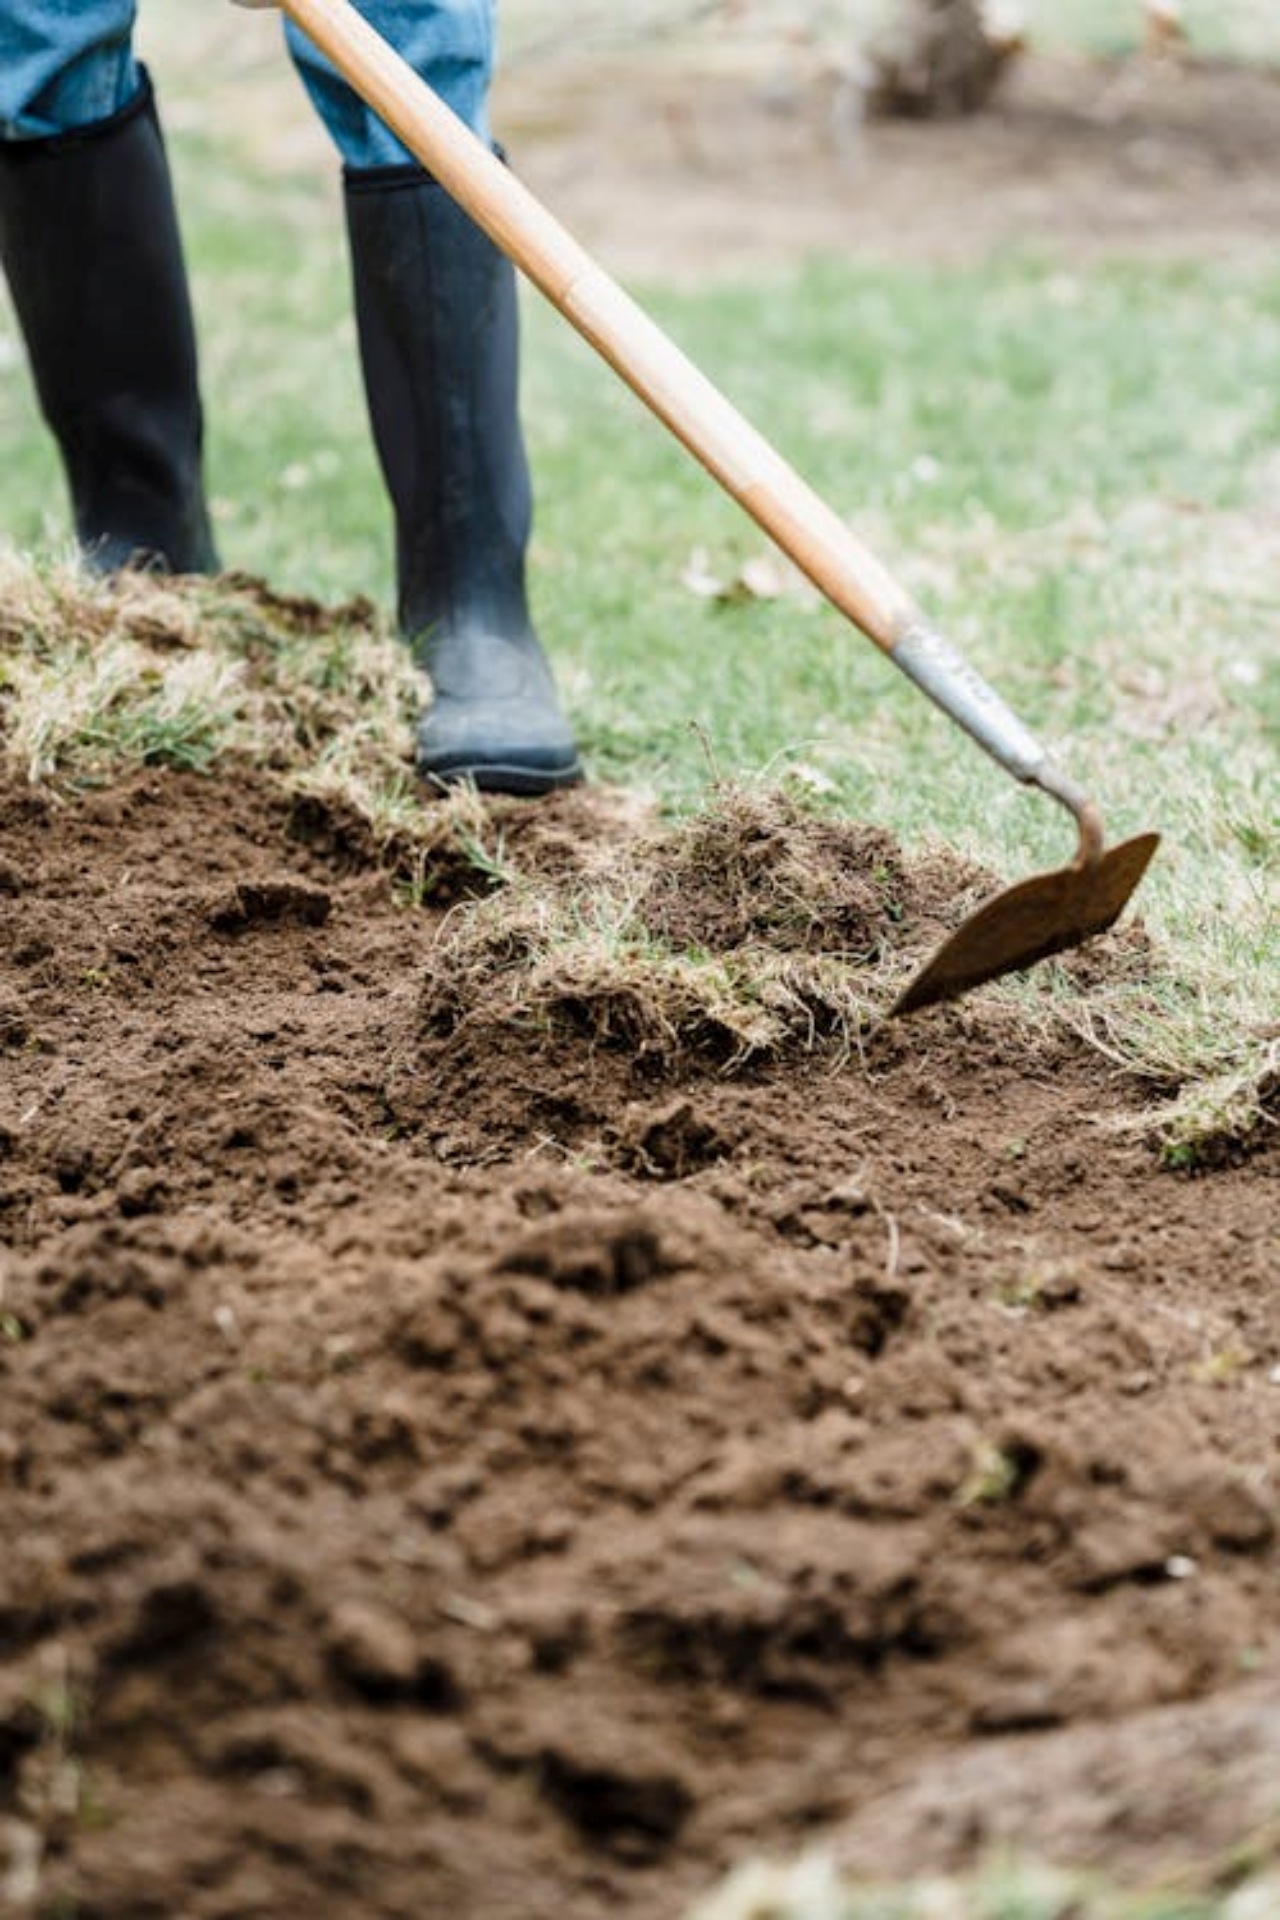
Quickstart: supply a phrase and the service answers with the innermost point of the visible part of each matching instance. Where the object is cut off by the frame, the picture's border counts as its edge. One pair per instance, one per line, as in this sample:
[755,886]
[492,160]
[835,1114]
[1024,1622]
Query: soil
[674,165]
[457,1459]
[458,1462]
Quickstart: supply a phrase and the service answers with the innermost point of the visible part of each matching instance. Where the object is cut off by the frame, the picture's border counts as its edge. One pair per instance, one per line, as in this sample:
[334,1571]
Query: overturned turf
[458,1456]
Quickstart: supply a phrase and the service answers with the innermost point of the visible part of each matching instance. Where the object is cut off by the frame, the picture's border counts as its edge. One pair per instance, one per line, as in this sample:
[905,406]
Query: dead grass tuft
[96,674]
[1211,1109]
[754,869]
[695,944]
[98,677]
[1222,1120]
[757,867]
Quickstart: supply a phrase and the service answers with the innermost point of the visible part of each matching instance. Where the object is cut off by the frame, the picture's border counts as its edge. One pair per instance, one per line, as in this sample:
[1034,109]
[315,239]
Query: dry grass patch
[100,677]
[757,868]
[750,930]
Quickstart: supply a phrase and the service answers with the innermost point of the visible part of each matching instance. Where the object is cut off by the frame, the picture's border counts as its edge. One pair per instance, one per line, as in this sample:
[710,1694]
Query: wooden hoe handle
[744,463]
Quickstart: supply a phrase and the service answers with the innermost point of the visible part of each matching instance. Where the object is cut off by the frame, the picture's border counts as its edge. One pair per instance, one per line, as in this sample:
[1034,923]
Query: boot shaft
[437,318]
[90,247]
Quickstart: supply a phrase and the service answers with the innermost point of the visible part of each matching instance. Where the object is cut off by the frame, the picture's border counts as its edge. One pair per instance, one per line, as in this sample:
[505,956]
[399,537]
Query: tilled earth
[462,1462]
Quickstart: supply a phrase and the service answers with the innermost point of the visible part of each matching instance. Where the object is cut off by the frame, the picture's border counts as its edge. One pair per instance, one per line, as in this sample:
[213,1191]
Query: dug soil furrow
[481,1454]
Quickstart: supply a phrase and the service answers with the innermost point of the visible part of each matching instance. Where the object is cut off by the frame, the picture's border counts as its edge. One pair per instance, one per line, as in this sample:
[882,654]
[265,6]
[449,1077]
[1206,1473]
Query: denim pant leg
[449,43]
[64,64]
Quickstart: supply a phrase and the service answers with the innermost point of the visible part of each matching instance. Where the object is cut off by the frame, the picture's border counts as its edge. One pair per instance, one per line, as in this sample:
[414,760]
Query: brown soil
[456,1462]
[669,165]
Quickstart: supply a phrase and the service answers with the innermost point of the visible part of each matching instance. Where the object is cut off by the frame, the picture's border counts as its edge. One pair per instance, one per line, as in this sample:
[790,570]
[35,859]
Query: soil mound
[462,1454]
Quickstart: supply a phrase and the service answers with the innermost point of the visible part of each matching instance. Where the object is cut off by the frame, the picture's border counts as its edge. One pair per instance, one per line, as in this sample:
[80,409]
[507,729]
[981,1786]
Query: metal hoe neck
[1086,812]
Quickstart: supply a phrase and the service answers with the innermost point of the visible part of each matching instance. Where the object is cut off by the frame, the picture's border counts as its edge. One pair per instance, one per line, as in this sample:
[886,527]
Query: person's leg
[89,245]
[449,43]
[64,64]
[437,321]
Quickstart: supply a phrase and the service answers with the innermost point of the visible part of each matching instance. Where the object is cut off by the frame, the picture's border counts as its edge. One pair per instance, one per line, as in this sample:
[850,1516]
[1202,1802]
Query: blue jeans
[68,63]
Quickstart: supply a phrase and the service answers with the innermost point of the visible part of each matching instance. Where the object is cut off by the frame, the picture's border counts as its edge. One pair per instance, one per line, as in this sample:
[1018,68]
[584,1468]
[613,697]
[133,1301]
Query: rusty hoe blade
[1051,911]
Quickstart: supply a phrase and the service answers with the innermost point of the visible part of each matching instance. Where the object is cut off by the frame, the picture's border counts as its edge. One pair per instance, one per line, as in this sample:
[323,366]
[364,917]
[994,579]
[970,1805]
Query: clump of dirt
[750,930]
[755,869]
[754,931]
[484,1464]
[936,59]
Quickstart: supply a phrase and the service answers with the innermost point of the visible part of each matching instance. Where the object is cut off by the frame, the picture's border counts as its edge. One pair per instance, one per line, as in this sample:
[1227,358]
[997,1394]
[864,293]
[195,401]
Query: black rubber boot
[89,244]
[436,313]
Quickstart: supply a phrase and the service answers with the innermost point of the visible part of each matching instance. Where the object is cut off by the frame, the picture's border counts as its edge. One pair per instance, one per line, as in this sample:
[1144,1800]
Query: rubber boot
[89,244]
[436,315]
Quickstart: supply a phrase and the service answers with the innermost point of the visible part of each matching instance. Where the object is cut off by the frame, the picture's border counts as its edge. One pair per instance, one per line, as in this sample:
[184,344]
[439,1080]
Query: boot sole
[496,777]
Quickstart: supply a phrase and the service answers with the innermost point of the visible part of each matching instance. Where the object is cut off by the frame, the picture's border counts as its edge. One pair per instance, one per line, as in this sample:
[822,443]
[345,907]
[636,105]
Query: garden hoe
[1040,916]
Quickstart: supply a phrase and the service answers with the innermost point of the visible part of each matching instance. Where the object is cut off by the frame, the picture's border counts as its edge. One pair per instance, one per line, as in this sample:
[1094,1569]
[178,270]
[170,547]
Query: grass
[1239,29]
[98,680]
[591,968]
[811,1889]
